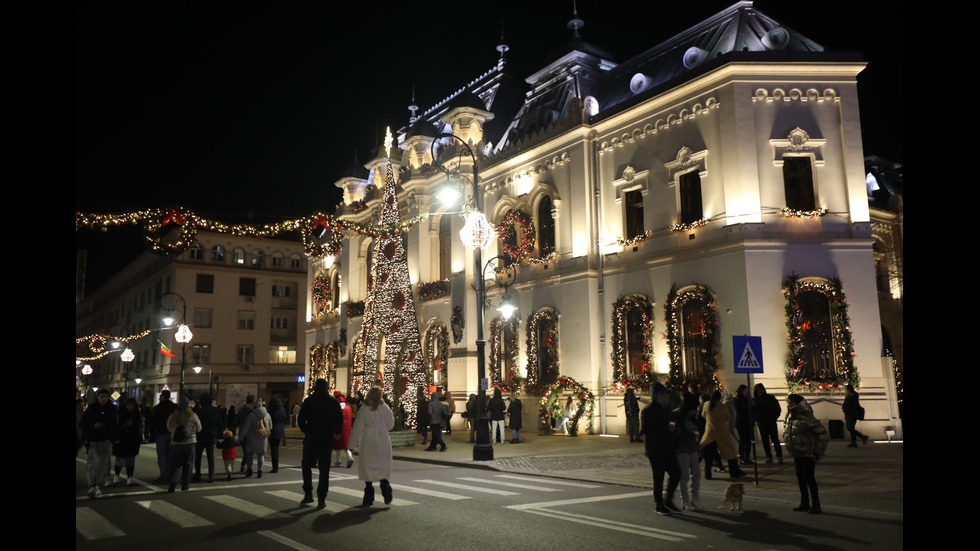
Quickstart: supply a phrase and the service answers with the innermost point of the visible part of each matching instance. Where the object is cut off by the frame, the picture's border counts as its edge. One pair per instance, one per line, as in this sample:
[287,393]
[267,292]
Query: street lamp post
[477,234]
[183,336]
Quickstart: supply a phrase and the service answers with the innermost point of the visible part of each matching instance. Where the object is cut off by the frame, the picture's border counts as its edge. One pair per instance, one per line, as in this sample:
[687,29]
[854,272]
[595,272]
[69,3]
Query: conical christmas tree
[388,352]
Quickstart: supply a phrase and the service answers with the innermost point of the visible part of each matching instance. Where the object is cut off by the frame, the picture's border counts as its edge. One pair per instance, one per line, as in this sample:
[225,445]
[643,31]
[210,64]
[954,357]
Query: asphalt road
[451,507]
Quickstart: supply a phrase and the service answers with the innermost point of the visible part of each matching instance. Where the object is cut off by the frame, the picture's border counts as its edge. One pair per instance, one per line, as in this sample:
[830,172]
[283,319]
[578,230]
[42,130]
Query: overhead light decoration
[184,334]
[477,233]
[127,355]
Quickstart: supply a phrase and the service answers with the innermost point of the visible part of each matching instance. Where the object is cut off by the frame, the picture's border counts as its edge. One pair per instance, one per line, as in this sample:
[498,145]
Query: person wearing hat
[660,439]
[183,426]
[98,426]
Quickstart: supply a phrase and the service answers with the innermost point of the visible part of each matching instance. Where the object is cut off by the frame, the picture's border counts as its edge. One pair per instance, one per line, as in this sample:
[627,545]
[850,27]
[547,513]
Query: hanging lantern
[477,233]
[127,355]
[184,334]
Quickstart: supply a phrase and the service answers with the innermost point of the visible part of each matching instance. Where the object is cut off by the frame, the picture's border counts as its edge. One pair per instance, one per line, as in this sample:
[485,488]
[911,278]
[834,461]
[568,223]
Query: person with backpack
[256,429]
[183,426]
[853,412]
[806,441]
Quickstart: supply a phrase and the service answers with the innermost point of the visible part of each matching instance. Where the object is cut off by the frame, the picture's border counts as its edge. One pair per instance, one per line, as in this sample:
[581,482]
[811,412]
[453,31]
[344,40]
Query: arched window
[504,353]
[277,260]
[445,246]
[257,258]
[546,228]
[542,348]
[218,254]
[196,252]
[238,256]
[692,335]
[632,330]
[816,334]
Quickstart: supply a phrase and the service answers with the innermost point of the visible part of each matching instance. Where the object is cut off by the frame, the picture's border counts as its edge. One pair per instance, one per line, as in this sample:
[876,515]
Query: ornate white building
[712,186]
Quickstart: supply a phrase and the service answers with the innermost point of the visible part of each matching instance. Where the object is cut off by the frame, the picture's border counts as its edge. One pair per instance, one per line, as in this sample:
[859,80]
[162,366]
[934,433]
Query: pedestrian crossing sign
[747,352]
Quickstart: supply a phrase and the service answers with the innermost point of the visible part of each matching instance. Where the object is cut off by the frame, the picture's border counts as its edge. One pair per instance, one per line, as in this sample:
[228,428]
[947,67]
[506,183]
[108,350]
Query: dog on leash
[733,496]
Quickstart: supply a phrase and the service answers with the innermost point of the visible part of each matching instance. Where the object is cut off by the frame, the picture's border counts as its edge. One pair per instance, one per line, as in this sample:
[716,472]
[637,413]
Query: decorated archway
[542,350]
[800,376]
[504,354]
[631,342]
[436,350]
[692,336]
[550,406]
[323,365]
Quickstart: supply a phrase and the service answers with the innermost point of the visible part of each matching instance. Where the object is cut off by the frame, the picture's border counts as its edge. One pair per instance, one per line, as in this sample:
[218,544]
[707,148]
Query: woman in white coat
[370,435]
[255,444]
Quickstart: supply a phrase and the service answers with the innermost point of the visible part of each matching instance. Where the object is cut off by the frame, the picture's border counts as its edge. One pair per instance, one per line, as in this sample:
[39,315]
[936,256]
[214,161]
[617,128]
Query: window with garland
[631,340]
[692,335]
[821,347]
[816,335]
[542,349]
[436,349]
[637,348]
[503,351]
[693,338]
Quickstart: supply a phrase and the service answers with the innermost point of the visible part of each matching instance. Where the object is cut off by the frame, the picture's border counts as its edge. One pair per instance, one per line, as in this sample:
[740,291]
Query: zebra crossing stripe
[93,526]
[471,488]
[285,541]
[176,515]
[432,493]
[548,481]
[360,493]
[295,497]
[247,507]
[510,484]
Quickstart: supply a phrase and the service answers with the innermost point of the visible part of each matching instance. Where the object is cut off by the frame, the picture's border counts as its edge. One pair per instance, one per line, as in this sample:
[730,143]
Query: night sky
[251,111]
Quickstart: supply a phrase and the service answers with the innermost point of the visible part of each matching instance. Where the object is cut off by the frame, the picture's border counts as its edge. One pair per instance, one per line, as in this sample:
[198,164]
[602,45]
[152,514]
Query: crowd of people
[185,436]
[682,430]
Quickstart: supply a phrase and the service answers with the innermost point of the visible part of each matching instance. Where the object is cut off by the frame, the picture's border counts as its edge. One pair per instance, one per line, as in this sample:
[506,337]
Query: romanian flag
[164,350]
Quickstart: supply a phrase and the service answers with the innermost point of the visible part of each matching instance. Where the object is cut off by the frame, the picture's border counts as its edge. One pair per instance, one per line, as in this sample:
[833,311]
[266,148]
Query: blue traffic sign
[747,352]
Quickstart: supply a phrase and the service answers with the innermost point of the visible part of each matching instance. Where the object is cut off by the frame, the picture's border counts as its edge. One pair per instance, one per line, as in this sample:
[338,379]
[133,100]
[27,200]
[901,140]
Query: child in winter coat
[229,451]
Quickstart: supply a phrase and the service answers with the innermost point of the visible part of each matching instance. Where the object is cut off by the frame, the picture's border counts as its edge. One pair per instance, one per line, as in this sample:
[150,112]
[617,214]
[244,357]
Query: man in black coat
[210,418]
[322,421]
[660,441]
[162,412]
[853,412]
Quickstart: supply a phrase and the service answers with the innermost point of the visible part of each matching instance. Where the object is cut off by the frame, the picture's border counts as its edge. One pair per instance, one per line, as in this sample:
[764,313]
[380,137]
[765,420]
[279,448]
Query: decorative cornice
[794,94]
[661,124]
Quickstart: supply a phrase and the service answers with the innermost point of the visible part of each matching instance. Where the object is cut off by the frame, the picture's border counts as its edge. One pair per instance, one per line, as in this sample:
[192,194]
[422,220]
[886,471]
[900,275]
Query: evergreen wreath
[673,308]
[321,292]
[437,335]
[845,373]
[507,230]
[547,406]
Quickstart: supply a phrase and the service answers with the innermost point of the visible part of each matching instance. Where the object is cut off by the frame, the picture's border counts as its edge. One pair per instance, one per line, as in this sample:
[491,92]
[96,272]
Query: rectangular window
[634,213]
[243,354]
[246,286]
[246,319]
[690,187]
[280,323]
[798,183]
[205,283]
[282,354]
[295,262]
[202,317]
[277,261]
[201,353]
[280,290]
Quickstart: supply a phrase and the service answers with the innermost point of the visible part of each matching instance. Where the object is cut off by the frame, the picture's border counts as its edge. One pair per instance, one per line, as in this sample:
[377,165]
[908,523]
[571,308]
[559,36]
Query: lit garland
[796,378]
[794,213]
[157,222]
[390,318]
[433,289]
[507,230]
[687,227]
[619,354]
[496,336]
[544,259]
[626,242]
[542,320]
[97,344]
[673,309]
[437,353]
[547,406]
[323,365]
[321,292]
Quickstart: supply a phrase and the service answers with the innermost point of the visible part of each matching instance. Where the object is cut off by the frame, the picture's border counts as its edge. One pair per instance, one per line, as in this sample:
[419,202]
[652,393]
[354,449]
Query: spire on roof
[502,47]
[413,108]
[576,22]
